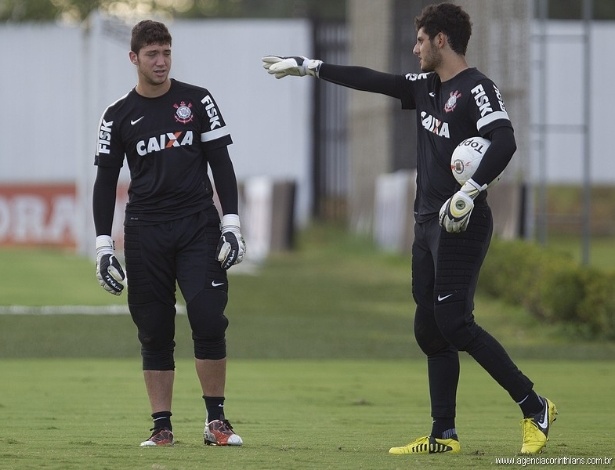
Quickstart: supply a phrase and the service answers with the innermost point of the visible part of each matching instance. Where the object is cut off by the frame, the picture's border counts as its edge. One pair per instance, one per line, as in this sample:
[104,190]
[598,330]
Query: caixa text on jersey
[164,141]
[153,144]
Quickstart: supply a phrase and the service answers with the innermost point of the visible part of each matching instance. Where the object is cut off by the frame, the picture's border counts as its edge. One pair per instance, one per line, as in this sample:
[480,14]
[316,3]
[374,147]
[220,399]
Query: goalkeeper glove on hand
[231,247]
[108,269]
[456,211]
[297,66]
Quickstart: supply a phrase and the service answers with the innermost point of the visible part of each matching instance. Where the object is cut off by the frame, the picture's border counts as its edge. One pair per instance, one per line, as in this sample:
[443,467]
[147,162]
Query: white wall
[57,81]
[40,104]
[564,64]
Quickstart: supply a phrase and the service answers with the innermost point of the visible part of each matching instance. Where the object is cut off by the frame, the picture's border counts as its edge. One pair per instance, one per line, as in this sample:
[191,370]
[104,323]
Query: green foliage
[552,285]
[27,10]
[597,308]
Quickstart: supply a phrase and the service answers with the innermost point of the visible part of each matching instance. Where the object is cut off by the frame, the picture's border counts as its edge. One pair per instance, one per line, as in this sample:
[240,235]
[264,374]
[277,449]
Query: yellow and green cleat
[428,445]
[536,429]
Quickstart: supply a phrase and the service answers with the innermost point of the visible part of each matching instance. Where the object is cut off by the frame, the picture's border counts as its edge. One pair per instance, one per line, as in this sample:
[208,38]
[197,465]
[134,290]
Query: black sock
[162,420]
[531,405]
[215,408]
[443,428]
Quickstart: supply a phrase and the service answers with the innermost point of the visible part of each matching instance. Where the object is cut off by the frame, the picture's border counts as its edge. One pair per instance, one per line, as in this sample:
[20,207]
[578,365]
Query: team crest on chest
[452,101]
[184,112]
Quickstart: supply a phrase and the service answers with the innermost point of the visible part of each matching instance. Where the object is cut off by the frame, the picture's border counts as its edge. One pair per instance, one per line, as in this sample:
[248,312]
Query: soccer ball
[466,158]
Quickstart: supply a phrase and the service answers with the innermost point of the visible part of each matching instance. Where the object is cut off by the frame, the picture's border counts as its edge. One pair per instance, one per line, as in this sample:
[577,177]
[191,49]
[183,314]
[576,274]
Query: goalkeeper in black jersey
[170,133]
[453,223]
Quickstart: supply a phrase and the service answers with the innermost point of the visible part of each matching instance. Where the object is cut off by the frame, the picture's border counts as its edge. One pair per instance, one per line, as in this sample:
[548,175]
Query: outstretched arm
[358,78]
[362,78]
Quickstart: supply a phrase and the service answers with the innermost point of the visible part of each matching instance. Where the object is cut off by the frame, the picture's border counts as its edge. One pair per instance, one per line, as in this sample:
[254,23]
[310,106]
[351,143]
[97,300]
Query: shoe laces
[224,426]
[155,431]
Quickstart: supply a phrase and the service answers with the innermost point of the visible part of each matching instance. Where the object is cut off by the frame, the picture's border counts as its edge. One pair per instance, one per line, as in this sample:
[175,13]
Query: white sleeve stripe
[215,134]
[489,118]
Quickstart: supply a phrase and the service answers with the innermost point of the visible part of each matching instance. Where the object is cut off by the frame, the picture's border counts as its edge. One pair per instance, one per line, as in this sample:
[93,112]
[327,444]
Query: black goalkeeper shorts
[179,252]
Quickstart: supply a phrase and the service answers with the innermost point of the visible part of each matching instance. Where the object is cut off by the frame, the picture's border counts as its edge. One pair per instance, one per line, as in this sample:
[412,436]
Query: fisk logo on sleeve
[490,109]
[104,137]
[212,112]
[416,76]
[482,100]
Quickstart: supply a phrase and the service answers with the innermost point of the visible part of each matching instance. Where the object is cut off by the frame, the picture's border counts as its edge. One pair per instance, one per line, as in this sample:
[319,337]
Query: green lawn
[292,414]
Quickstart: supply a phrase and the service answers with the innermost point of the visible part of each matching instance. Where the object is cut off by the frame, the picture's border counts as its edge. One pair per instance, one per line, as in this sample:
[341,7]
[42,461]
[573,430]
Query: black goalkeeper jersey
[165,141]
[465,106]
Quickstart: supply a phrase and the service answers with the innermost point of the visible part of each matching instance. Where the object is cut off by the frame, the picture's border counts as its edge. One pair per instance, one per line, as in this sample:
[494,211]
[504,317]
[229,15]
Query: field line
[71,309]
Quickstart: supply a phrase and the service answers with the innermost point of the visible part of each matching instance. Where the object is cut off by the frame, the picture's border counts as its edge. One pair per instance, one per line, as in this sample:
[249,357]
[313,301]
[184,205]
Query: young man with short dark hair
[170,133]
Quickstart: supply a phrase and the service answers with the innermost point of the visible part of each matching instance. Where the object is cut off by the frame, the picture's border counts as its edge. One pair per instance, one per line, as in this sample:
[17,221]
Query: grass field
[323,372]
[297,414]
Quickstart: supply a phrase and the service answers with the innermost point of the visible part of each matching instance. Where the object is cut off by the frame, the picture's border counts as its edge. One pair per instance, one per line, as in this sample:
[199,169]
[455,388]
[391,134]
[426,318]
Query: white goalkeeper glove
[456,211]
[108,269]
[231,247]
[297,66]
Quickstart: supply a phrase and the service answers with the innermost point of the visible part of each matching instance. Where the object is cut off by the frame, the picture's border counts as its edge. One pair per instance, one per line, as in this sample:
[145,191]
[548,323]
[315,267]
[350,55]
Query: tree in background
[78,10]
